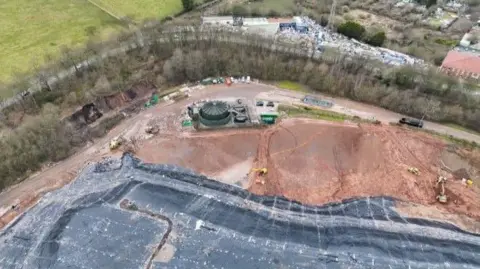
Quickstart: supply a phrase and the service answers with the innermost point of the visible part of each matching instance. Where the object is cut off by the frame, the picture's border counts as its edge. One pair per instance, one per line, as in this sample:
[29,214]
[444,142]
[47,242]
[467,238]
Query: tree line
[357,31]
[173,56]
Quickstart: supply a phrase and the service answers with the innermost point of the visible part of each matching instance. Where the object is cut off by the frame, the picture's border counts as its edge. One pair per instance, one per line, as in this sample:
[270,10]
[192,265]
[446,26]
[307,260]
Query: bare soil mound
[316,163]
[209,153]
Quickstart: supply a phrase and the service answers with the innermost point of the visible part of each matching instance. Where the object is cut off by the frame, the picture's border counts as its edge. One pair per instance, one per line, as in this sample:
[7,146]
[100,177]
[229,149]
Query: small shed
[300,26]
[269,118]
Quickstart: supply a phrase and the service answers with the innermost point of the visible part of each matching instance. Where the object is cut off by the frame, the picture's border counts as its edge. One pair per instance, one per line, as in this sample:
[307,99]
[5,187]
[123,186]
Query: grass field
[31,29]
[461,128]
[139,10]
[313,113]
[280,7]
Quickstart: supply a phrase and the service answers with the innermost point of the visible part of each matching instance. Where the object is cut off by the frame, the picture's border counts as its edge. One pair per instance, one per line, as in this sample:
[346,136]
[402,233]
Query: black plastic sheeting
[218,226]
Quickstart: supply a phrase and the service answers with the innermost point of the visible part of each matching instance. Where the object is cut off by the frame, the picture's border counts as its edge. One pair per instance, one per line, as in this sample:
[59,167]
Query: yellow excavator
[414,171]
[442,197]
[261,171]
[116,142]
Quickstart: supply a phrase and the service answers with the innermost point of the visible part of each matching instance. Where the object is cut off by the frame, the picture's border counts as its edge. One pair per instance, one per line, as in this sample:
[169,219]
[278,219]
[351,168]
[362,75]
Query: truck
[412,122]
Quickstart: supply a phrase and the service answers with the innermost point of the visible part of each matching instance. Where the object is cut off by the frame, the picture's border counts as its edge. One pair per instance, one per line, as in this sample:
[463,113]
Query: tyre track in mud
[386,169]
[400,146]
[271,186]
[262,161]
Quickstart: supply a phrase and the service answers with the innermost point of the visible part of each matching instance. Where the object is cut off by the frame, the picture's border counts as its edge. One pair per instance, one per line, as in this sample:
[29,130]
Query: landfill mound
[316,162]
[123,213]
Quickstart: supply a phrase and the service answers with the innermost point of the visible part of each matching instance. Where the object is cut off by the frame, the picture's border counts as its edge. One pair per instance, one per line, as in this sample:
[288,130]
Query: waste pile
[324,37]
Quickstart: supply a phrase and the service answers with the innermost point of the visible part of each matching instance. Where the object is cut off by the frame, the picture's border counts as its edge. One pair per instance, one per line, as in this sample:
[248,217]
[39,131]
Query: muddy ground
[310,161]
[227,157]
[318,162]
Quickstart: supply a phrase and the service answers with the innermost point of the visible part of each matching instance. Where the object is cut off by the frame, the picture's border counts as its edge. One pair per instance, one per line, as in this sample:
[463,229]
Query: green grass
[448,138]
[30,30]
[139,10]
[279,7]
[294,111]
[290,85]
[461,128]
[446,42]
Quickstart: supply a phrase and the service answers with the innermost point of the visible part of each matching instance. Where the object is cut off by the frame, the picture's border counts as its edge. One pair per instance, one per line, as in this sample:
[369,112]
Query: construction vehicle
[116,142]
[261,171]
[414,171]
[412,122]
[152,129]
[442,197]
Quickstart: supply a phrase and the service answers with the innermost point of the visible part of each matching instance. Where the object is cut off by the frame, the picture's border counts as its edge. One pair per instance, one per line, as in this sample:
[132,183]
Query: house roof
[464,62]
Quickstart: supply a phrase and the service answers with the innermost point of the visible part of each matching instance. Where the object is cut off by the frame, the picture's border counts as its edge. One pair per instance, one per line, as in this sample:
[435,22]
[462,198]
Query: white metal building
[218,20]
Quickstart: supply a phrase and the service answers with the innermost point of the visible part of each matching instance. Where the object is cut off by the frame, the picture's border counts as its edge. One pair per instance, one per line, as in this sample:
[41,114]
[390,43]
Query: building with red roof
[462,64]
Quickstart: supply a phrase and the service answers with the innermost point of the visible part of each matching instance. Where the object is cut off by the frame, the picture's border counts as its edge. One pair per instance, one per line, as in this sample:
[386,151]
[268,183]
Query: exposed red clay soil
[207,152]
[309,161]
[316,163]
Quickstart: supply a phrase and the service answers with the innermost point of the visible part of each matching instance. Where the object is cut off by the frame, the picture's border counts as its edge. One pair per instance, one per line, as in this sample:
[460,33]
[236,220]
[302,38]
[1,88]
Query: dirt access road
[362,110]
[29,191]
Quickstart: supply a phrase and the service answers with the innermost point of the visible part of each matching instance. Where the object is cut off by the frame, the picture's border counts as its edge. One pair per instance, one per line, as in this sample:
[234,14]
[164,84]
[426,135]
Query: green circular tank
[215,113]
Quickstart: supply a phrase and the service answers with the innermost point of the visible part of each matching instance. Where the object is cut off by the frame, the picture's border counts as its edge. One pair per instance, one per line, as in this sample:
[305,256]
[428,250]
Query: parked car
[271,104]
[259,103]
[412,122]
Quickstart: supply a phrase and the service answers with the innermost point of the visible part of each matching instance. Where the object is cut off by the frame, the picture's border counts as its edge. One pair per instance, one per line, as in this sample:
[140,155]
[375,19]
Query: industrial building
[221,114]
[314,101]
[226,20]
[230,114]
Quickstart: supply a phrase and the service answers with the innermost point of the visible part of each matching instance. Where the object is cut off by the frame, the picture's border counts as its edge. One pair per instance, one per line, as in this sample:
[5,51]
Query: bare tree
[430,108]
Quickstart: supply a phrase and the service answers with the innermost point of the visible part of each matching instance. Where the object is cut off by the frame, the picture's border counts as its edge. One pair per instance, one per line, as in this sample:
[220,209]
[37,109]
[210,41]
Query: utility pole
[331,17]
[430,107]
